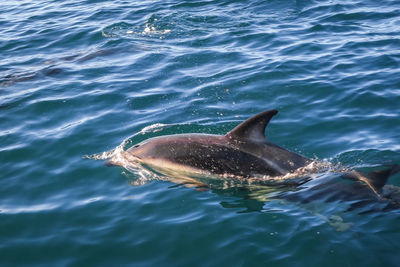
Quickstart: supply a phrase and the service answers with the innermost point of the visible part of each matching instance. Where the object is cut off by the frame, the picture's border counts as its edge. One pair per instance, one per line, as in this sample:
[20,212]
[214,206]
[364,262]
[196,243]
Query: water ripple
[77,78]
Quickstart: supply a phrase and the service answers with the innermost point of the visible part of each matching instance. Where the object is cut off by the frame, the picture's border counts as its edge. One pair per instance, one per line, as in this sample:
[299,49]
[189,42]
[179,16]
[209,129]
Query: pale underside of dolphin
[243,152]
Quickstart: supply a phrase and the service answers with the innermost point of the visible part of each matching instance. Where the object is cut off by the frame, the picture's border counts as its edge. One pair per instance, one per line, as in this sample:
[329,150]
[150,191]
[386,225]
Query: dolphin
[243,152]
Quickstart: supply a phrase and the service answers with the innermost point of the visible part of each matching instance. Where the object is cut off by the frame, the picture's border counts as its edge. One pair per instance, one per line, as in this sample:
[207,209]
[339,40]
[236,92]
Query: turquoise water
[79,77]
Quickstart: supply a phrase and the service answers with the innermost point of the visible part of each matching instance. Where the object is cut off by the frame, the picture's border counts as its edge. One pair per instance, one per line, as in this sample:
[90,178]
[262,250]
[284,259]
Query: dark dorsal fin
[253,128]
[376,179]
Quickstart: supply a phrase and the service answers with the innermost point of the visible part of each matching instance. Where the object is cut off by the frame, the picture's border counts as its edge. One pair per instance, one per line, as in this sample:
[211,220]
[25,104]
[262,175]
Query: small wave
[153,128]
[117,151]
[28,209]
[105,155]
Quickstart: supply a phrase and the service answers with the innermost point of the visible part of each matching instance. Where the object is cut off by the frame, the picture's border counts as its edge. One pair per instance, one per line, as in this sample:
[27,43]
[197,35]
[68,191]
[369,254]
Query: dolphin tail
[375,179]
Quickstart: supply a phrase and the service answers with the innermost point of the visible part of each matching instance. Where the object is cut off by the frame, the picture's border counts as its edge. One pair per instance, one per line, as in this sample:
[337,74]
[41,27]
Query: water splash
[152,28]
[119,157]
[117,152]
[153,128]
[108,154]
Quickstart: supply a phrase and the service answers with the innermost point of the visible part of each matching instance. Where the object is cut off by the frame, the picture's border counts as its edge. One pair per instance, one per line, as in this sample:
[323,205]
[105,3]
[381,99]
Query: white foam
[150,29]
[117,154]
[153,128]
[108,154]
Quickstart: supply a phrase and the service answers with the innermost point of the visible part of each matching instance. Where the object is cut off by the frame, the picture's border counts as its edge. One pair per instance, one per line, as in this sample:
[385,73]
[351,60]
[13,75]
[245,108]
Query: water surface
[78,78]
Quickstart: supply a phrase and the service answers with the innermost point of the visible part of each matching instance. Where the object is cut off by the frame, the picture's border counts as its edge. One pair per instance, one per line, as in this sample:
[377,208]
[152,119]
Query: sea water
[79,77]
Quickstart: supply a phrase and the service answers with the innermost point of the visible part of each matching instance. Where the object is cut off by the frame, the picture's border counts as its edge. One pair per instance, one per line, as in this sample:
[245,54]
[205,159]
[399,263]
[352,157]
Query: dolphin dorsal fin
[374,180]
[253,128]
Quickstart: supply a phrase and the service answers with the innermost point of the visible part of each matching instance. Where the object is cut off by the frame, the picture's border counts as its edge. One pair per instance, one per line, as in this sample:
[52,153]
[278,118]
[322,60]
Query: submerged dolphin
[243,152]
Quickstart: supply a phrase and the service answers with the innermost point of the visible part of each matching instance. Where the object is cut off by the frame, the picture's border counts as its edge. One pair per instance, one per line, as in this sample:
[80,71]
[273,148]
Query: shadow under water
[319,185]
[53,67]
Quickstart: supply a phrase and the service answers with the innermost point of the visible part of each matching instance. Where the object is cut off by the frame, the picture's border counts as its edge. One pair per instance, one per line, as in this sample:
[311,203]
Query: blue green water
[79,77]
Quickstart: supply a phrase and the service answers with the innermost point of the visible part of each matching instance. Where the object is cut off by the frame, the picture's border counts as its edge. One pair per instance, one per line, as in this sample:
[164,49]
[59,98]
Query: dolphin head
[139,150]
[159,150]
[151,149]
[173,155]
[135,155]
